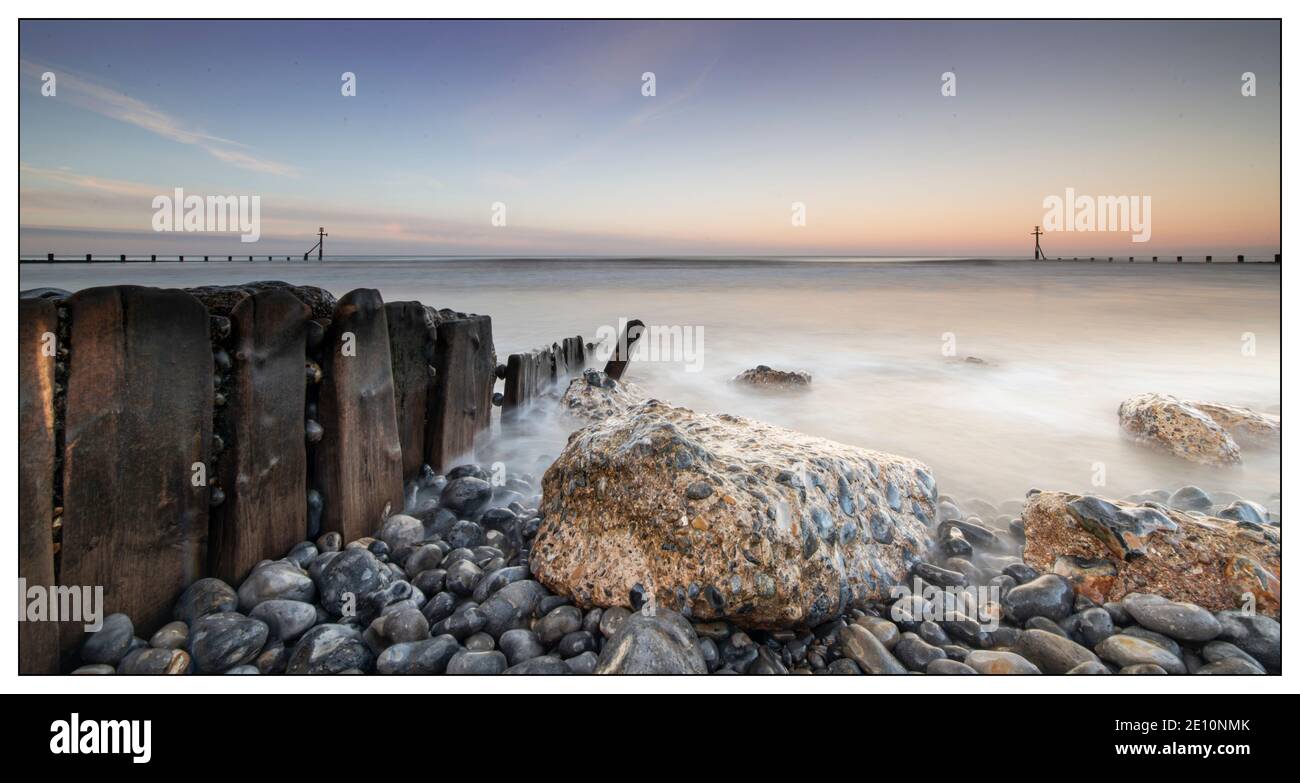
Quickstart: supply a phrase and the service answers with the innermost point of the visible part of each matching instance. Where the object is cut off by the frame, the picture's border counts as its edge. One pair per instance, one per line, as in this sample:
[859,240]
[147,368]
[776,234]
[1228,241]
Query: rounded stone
[1178,620]
[286,620]
[999,662]
[1047,596]
[111,642]
[659,644]
[220,641]
[171,636]
[280,579]
[206,596]
[480,663]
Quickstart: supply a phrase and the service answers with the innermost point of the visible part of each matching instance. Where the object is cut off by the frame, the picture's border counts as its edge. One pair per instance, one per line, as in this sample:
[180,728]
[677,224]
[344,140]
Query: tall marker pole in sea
[319,247]
[1038,249]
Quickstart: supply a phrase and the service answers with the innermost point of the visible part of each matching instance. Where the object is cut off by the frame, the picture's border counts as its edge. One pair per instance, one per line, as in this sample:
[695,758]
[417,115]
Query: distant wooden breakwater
[153,258]
[166,435]
[1240,259]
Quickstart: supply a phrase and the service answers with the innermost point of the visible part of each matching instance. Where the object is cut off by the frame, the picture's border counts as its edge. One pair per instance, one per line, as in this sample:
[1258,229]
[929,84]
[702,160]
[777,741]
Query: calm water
[1063,344]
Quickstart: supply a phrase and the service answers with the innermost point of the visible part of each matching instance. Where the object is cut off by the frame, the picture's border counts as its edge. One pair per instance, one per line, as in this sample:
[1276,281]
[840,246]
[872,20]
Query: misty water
[1062,345]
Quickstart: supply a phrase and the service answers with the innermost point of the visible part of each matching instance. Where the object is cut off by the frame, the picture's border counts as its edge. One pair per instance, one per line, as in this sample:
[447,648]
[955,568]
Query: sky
[459,126]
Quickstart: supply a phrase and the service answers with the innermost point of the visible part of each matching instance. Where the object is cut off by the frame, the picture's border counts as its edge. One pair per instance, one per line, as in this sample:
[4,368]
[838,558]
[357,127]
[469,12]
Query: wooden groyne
[169,435]
[154,258]
[1240,259]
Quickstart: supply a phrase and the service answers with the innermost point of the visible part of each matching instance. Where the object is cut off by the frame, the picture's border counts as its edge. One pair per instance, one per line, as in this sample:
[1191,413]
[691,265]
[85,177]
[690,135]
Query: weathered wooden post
[359,458]
[122,258]
[618,360]
[1154,259]
[263,469]
[182,259]
[1130,259]
[154,258]
[50,257]
[138,431]
[527,374]
[87,257]
[1241,259]
[465,362]
[1209,259]
[38,324]
[412,335]
[1180,260]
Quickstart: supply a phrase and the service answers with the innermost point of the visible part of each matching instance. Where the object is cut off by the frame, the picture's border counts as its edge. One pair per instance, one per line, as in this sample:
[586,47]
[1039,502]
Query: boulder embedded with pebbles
[723,517]
[595,396]
[1110,548]
[1205,432]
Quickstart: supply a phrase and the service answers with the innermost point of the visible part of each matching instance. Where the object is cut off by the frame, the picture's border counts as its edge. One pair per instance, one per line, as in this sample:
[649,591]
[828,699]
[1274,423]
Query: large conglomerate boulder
[717,516]
[1202,432]
[1110,548]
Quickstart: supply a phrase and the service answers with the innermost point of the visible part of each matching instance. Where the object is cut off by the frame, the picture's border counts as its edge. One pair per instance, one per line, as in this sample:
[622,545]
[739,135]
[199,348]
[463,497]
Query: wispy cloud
[101,99]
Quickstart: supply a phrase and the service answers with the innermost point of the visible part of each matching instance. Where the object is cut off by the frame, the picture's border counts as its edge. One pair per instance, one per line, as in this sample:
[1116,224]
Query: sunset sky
[549,119]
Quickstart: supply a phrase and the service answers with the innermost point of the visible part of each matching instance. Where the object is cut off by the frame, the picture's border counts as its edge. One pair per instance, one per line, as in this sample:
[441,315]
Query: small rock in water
[95,668]
[1191,499]
[1245,511]
[764,376]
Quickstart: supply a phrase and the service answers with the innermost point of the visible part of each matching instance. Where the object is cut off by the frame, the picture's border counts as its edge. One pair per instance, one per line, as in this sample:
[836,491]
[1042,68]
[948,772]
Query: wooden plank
[571,359]
[263,469]
[462,402]
[411,339]
[139,418]
[359,459]
[527,376]
[38,641]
